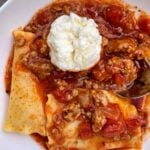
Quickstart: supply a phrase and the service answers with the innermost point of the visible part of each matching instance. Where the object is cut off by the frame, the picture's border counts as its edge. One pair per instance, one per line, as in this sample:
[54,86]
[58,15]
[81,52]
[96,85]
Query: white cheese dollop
[75,43]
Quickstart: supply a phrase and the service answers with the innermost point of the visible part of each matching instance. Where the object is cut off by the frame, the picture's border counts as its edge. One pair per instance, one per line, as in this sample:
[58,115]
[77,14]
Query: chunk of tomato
[133,124]
[85,130]
[114,14]
[119,79]
[144,24]
[113,128]
[112,111]
[61,95]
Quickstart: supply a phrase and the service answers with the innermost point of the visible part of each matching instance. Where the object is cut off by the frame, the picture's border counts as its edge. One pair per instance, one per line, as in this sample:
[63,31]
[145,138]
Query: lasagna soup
[65,72]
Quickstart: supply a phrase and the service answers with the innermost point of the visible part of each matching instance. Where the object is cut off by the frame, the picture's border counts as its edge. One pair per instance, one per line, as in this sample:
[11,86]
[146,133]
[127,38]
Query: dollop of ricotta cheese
[75,43]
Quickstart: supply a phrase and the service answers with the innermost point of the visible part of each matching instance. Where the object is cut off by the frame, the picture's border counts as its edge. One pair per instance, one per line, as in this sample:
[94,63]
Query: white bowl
[16,13]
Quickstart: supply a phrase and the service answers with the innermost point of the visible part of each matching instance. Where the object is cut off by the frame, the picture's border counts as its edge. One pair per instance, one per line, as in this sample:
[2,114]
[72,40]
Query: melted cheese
[128,110]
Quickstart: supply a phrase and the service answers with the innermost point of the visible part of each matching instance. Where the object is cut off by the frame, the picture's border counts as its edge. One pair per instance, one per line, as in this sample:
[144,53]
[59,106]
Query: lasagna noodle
[124,105]
[70,130]
[71,135]
[133,143]
[25,112]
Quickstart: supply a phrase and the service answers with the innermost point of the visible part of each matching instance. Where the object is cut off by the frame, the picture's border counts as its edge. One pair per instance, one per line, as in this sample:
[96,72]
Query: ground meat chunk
[125,44]
[56,134]
[65,8]
[107,30]
[20,41]
[37,64]
[64,91]
[126,47]
[145,46]
[71,111]
[58,120]
[99,72]
[84,98]
[99,98]
[82,74]
[41,46]
[98,120]
[62,84]
[92,84]
[116,70]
